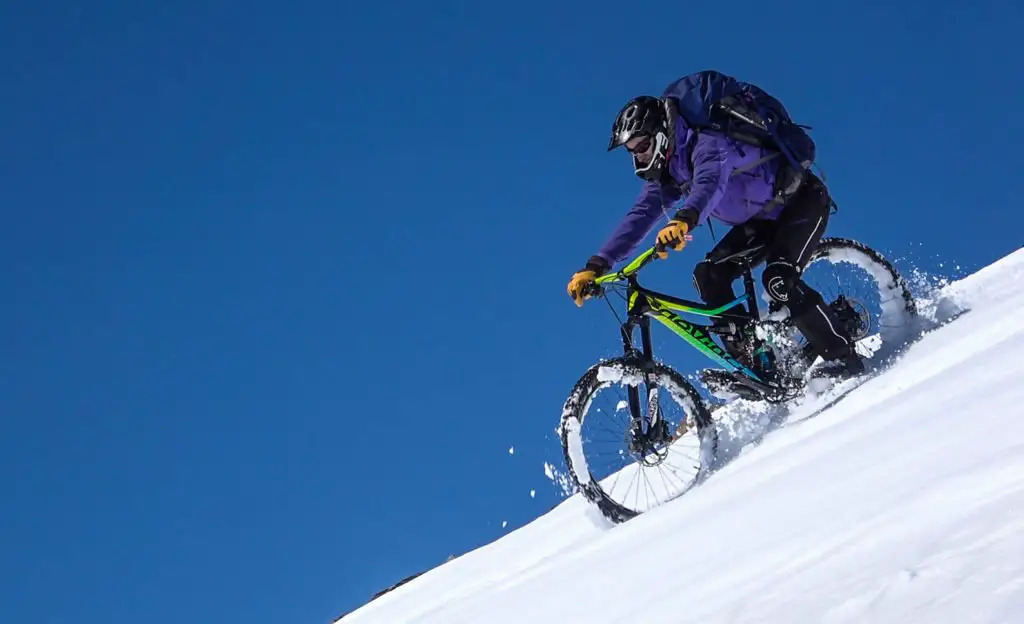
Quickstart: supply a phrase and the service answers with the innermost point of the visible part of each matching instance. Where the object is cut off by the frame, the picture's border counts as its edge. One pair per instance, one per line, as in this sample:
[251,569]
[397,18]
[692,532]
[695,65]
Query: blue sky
[284,282]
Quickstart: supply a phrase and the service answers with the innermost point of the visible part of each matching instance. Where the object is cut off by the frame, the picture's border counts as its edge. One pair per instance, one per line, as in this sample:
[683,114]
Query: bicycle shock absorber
[761,350]
[765,357]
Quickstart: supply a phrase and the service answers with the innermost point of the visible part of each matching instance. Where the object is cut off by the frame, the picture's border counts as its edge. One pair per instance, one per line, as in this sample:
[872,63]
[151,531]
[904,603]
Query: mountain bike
[681,448]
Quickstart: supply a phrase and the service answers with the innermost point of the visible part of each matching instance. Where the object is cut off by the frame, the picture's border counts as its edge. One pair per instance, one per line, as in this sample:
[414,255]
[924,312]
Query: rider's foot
[842,365]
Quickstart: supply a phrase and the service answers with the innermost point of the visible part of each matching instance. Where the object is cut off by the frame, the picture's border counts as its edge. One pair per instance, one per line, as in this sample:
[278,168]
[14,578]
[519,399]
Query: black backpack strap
[788,181]
[754,165]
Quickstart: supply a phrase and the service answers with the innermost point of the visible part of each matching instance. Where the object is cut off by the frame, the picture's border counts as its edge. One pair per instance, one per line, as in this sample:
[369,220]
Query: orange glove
[672,236]
[596,266]
[580,280]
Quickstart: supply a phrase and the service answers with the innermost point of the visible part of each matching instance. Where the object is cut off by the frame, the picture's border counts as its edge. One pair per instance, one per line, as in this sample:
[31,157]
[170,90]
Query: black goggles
[642,147]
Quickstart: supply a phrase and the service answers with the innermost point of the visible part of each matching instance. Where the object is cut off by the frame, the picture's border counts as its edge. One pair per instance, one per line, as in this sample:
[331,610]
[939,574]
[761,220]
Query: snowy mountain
[901,502]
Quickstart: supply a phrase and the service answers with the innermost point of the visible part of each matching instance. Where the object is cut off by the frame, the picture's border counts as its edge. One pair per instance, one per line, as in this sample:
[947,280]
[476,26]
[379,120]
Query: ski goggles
[641,147]
[647,151]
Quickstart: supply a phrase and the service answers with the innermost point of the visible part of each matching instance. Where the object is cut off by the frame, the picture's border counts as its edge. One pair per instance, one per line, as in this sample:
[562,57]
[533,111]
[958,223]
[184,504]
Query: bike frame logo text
[699,335]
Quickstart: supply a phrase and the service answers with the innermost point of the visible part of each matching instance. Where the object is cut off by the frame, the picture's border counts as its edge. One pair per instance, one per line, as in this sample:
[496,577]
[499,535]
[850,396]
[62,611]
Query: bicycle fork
[645,422]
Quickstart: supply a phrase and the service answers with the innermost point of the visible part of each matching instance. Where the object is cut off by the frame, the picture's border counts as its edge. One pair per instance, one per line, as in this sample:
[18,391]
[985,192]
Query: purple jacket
[716,189]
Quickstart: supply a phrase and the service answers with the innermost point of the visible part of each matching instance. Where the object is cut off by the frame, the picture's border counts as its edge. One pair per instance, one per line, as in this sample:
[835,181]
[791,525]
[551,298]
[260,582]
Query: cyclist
[736,185]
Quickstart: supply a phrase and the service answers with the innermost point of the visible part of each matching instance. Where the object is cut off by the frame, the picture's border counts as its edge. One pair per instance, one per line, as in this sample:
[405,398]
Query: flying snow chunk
[504,523]
[511,450]
[533,493]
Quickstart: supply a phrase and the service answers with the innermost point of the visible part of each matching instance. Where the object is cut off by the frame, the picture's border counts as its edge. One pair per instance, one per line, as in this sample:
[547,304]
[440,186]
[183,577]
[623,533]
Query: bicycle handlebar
[634,265]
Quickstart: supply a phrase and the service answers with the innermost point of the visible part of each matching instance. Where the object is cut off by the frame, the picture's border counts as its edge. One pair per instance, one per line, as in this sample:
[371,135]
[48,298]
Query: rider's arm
[638,222]
[711,169]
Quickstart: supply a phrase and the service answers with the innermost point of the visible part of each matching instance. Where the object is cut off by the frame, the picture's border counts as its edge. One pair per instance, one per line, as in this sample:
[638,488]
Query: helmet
[644,116]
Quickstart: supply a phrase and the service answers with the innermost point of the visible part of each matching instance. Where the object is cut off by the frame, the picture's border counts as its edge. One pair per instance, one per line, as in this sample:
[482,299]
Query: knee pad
[782,283]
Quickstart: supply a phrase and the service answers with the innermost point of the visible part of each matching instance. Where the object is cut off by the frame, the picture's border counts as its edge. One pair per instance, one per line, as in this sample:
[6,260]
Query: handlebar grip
[658,247]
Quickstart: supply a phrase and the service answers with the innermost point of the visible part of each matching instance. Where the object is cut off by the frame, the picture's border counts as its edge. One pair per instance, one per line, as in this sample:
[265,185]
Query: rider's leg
[714,275]
[799,230]
[713,278]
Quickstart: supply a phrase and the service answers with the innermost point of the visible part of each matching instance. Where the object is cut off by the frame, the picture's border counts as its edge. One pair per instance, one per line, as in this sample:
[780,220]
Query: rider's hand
[672,236]
[585,277]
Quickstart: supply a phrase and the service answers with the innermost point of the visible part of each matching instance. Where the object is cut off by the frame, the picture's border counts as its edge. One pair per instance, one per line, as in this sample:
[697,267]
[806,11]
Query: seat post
[748,286]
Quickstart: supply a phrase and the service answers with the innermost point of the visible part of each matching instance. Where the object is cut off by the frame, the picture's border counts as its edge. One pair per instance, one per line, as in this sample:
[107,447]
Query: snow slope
[902,502]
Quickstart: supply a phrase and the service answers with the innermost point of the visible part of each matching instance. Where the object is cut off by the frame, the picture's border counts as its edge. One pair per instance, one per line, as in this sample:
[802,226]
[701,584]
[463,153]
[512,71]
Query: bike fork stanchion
[642,416]
[632,393]
[637,412]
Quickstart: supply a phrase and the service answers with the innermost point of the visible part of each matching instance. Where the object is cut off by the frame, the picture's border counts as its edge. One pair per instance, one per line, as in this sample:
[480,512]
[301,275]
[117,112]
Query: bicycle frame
[644,304]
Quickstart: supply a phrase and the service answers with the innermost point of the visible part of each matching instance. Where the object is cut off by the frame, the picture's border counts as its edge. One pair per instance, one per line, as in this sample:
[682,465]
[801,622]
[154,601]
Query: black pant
[786,246]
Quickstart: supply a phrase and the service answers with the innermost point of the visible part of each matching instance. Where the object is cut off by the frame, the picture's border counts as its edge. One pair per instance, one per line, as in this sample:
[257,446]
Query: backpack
[713,101]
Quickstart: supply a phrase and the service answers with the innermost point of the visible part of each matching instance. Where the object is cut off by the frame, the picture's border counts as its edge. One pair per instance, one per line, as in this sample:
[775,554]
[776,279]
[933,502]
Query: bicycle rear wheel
[868,296]
[867,293]
[600,448]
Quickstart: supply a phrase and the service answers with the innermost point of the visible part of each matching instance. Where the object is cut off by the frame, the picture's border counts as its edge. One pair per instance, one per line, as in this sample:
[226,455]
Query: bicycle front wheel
[608,465]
